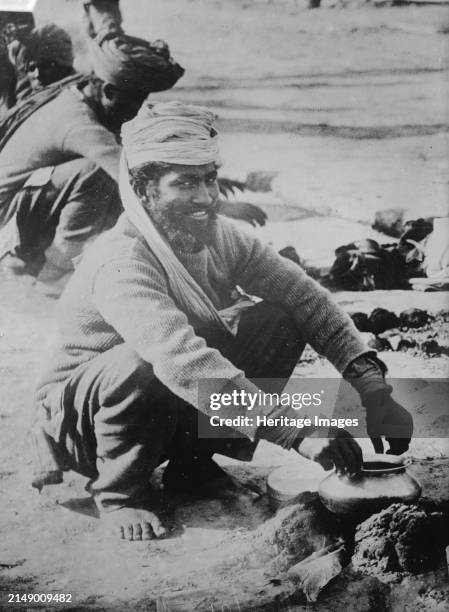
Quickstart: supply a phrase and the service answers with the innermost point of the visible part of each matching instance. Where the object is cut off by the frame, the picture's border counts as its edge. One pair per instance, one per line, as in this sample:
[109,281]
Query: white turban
[170,132]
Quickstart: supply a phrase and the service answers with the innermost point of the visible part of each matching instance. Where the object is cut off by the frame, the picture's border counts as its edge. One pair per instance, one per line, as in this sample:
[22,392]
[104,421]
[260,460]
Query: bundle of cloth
[419,260]
[364,265]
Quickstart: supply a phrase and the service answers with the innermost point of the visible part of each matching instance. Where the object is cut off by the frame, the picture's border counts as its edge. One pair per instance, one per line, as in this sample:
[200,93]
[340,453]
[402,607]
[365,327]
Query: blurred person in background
[59,158]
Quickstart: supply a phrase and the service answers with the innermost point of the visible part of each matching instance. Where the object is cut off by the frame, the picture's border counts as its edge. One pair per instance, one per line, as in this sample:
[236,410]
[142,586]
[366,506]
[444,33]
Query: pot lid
[288,481]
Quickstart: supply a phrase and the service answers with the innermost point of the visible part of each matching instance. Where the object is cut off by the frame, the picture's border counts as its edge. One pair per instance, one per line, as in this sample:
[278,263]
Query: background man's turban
[133,64]
[170,132]
[49,43]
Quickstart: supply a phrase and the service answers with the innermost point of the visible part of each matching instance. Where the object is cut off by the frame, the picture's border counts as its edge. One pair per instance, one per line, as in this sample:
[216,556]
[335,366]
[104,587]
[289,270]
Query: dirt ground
[349,105]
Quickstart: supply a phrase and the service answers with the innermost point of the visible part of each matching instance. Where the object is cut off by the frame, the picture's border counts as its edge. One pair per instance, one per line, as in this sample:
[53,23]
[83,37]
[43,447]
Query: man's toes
[147,533]
[137,531]
[157,528]
[128,532]
[133,524]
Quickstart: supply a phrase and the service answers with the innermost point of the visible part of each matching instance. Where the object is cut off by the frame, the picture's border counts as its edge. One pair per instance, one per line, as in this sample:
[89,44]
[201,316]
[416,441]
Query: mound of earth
[400,539]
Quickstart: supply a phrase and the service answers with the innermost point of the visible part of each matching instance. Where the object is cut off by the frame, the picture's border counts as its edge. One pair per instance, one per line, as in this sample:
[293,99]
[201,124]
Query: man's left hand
[385,417]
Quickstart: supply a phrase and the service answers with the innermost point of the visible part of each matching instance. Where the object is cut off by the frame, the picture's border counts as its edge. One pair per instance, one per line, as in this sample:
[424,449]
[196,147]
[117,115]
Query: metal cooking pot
[384,480]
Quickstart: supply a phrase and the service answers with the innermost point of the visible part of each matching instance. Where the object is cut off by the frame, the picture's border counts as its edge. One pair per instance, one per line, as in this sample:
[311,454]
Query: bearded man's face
[183,205]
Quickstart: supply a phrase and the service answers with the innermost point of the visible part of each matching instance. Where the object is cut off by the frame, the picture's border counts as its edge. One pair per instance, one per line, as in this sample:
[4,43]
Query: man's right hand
[341,451]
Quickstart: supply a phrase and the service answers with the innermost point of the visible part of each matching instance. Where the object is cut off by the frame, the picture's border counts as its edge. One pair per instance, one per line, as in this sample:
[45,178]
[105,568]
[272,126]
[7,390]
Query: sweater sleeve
[260,271]
[133,298]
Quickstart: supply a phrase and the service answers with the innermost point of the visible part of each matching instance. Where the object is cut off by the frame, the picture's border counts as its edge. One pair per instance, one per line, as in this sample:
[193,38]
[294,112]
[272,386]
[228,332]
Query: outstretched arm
[103,17]
[236,209]
[243,211]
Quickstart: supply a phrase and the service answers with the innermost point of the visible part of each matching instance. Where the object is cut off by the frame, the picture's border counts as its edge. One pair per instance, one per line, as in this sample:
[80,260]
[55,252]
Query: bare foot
[133,524]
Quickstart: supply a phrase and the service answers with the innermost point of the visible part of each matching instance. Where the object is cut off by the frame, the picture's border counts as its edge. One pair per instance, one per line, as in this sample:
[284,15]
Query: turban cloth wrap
[171,132]
[133,64]
[163,133]
[49,43]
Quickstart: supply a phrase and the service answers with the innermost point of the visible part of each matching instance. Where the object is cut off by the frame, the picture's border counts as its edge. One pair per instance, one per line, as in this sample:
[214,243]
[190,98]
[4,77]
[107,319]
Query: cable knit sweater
[119,293]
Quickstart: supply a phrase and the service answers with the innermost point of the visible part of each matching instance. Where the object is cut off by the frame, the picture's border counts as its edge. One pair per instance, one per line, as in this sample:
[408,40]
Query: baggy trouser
[58,210]
[116,422]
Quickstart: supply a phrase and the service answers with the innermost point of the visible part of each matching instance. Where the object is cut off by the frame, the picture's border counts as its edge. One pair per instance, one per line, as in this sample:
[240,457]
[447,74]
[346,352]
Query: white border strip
[22,6]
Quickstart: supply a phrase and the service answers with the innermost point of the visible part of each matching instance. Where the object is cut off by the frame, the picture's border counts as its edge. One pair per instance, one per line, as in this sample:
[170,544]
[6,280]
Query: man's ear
[151,189]
[145,191]
[140,190]
[109,91]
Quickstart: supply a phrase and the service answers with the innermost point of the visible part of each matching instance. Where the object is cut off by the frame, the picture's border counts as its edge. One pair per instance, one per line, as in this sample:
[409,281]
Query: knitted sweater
[119,293]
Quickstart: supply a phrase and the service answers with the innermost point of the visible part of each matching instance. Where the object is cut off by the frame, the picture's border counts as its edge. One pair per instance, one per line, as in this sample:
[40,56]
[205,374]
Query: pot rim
[394,463]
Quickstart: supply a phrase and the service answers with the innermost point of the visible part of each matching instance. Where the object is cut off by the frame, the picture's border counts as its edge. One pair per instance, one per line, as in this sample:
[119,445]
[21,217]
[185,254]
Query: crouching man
[152,311]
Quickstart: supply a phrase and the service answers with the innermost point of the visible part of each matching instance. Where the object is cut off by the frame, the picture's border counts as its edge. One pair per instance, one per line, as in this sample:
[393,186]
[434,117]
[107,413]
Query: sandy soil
[349,107]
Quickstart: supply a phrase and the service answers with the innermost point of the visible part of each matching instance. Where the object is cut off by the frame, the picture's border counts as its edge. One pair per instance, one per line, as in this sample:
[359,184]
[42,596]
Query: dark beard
[180,239]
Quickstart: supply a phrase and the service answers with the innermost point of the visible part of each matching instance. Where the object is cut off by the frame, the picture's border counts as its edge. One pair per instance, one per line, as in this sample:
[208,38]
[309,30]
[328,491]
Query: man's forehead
[192,170]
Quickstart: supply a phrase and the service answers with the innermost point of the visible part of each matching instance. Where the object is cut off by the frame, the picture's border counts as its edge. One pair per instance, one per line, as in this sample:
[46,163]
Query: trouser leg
[59,217]
[267,347]
[268,343]
[90,207]
[120,421]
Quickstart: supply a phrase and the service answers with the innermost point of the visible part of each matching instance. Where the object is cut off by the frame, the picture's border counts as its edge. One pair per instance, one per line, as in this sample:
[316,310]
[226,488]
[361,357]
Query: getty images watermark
[313,403]
[260,400]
